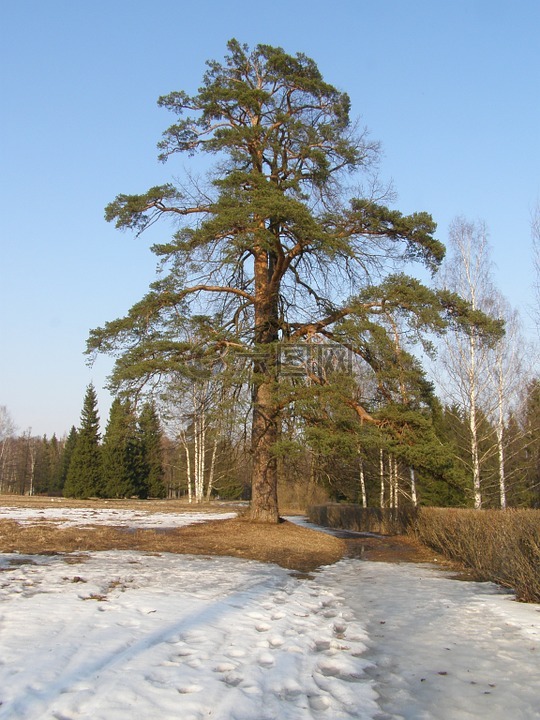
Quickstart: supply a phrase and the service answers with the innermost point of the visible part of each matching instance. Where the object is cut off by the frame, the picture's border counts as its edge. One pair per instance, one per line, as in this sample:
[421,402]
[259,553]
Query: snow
[117,635]
[64,517]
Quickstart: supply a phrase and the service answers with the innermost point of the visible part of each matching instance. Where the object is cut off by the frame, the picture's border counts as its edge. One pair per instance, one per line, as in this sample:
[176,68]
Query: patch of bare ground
[39,502]
[284,544]
[398,549]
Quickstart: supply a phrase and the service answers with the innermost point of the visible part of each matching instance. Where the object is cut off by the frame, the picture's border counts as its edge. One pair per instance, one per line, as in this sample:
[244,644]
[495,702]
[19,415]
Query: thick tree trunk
[264,502]
[264,435]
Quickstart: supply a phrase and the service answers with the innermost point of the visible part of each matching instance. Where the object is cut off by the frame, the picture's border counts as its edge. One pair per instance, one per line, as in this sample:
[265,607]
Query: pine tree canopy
[291,239]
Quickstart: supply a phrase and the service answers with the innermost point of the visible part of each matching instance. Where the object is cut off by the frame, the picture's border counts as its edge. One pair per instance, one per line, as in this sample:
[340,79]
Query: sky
[235,639]
[449,89]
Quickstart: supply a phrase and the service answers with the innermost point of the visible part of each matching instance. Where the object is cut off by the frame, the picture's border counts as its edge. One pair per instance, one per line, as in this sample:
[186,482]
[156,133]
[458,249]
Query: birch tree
[7,431]
[466,356]
[535,234]
[508,373]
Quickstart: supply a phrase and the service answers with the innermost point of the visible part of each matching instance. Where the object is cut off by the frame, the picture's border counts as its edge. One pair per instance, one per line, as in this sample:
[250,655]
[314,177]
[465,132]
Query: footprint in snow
[190,688]
[232,679]
[318,702]
[266,660]
[347,672]
[225,667]
[235,652]
[322,644]
[340,628]
[289,690]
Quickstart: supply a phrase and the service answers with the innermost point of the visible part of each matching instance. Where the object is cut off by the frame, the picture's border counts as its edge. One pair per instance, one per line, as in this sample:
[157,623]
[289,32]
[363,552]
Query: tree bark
[363,484]
[264,501]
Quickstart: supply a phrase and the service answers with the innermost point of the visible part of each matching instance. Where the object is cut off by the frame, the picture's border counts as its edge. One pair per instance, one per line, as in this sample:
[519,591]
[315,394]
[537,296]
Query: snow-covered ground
[118,635]
[64,517]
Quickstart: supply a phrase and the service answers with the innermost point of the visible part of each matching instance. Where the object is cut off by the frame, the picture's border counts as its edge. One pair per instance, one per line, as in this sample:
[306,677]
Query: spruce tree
[84,476]
[65,459]
[123,468]
[152,449]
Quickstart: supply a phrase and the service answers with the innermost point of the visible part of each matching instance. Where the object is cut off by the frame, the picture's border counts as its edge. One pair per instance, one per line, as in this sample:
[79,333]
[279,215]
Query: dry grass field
[285,544]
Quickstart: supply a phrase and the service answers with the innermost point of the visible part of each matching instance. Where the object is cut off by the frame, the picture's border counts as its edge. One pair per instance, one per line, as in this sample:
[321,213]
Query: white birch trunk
[473,424]
[212,470]
[202,452]
[395,481]
[414,496]
[363,484]
[381,475]
[188,468]
[500,433]
[196,449]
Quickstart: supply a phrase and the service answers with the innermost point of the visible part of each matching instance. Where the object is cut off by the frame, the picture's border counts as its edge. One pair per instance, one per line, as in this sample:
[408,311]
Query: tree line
[126,462]
[425,459]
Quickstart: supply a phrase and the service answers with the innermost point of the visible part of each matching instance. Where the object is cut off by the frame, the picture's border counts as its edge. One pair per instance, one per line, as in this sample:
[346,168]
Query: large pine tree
[84,476]
[282,246]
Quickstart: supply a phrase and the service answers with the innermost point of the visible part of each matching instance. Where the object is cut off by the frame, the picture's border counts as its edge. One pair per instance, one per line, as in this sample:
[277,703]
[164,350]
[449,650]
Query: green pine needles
[291,240]
[128,463]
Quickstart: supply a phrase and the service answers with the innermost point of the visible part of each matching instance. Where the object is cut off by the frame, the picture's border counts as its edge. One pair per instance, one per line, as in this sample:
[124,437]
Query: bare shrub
[298,496]
[501,546]
[386,521]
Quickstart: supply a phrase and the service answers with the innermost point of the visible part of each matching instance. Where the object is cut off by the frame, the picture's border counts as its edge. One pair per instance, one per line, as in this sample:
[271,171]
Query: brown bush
[501,546]
[295,497]
[387,521]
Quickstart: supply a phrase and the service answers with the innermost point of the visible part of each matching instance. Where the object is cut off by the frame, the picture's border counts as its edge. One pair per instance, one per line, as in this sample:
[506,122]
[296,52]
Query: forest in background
[199,450]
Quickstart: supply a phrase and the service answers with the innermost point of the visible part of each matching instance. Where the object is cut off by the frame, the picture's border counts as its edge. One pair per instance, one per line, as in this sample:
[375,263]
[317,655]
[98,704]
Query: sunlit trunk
[414,496]
[500,433]
[363,484]
[473,425]
[264,435]
[381,475]
[212,470]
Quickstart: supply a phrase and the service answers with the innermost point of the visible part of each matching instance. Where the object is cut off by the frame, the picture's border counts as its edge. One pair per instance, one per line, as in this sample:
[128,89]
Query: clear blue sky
[450,88]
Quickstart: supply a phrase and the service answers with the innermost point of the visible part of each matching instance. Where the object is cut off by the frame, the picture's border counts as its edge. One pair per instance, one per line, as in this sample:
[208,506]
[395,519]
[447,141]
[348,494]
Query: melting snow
[128,635]
[64,517]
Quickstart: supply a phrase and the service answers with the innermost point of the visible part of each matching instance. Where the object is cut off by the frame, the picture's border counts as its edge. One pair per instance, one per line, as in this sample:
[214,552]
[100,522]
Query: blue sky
[450,88]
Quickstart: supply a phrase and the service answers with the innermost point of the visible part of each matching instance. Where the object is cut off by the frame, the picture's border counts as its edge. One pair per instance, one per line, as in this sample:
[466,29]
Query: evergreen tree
[55,463]
[152,450]
[84,476]
[47,466]
[65,458]
[123,466]
[42,466]
[276,249]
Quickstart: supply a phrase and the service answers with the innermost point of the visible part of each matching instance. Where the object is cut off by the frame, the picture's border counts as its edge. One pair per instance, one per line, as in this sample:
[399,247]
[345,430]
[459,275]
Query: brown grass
[353,517]
[284,544]
[501,546]
[161,506]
